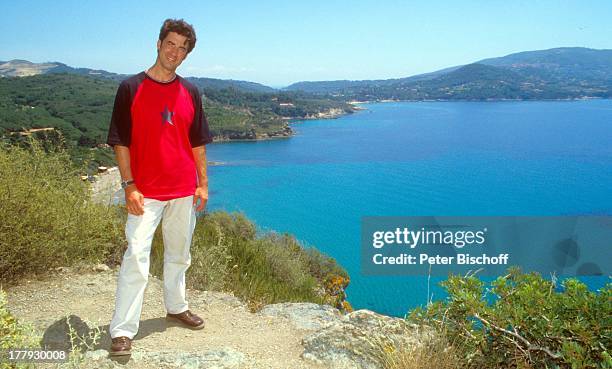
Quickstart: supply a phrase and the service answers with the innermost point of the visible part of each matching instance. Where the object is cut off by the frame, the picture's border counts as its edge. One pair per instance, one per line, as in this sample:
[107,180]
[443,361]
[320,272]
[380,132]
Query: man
[158,131]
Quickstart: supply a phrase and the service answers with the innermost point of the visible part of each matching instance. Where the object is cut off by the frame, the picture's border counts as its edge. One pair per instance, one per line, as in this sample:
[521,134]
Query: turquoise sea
[417,158]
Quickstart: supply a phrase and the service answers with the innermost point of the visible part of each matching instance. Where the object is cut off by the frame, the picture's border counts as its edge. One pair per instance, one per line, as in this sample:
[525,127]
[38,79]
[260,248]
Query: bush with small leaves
[524,321]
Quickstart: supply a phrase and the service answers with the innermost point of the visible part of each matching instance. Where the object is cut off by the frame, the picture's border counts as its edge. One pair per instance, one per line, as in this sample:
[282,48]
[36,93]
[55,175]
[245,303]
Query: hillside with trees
[561,73]
[76,109]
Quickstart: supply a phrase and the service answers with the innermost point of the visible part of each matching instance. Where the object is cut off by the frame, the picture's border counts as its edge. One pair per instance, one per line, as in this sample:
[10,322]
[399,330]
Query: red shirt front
[160,123]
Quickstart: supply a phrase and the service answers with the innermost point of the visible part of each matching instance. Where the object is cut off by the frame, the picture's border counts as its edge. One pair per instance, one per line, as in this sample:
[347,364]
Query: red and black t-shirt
[160,122]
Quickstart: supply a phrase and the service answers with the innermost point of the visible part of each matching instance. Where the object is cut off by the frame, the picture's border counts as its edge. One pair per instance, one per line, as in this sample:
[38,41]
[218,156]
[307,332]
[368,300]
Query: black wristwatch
[124,184]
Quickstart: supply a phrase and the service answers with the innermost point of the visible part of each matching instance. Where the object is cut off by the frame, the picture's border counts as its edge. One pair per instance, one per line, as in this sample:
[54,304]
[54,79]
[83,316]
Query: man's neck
[159,73]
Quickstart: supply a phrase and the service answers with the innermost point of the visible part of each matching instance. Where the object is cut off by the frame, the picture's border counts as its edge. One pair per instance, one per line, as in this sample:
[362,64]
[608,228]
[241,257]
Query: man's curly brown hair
[182,28]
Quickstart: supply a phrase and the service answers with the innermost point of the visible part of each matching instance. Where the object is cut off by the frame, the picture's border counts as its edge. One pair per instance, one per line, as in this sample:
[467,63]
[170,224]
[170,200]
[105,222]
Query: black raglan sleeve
[199,133]
[120,130]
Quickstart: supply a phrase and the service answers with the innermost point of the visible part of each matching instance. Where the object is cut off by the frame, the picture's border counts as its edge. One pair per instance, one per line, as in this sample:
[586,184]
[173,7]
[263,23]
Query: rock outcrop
[327,114]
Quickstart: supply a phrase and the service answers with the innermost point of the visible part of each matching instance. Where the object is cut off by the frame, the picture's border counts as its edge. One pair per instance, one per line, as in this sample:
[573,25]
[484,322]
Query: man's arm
[134,200]
[201,192]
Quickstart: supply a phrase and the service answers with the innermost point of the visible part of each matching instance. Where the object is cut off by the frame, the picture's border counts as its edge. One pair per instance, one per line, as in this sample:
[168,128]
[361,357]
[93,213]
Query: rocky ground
[288,335]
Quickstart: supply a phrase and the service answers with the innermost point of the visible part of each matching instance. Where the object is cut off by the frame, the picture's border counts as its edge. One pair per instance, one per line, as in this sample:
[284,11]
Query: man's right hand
[134,200]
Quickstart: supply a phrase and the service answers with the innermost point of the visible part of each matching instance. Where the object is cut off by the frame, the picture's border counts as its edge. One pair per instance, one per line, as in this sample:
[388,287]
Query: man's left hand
[202,194]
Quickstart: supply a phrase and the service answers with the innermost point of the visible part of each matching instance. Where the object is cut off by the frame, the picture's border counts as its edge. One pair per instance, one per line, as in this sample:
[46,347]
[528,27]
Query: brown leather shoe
[121,346]
[187,318]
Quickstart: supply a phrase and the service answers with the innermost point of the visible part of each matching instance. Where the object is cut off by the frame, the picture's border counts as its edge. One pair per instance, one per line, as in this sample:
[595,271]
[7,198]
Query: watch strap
[124,184]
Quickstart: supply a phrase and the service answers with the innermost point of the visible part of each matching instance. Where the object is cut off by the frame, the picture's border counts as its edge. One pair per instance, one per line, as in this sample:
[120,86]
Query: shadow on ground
[73,332]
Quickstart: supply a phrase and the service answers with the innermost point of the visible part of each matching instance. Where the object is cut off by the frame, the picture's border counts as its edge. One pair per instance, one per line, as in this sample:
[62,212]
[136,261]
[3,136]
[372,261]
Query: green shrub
[227,255]
[47,217]
[524,321]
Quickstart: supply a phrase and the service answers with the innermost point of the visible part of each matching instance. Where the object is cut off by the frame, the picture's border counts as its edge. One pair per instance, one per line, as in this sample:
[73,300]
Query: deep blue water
[425,158]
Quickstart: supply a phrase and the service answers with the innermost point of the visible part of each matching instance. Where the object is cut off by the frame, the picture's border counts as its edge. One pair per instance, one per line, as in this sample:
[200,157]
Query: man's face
[172,50]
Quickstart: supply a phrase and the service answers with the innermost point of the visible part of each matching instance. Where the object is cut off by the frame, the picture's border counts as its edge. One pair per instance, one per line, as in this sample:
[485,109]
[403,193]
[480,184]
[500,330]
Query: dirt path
[233,337]
[106,189]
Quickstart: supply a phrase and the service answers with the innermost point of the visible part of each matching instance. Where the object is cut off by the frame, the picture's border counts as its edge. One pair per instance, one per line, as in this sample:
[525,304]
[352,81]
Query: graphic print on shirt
[167,116]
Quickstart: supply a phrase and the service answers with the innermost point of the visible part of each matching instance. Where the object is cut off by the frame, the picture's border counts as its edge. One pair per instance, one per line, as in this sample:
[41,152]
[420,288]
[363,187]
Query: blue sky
[281,42]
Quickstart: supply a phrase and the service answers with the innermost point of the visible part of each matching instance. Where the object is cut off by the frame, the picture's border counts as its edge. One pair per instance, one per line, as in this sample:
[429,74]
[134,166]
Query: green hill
[79,107]
[565,63]
[217,84]
[561,73]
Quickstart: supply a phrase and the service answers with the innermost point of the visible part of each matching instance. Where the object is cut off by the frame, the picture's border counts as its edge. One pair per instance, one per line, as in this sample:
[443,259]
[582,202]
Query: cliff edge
[285,335]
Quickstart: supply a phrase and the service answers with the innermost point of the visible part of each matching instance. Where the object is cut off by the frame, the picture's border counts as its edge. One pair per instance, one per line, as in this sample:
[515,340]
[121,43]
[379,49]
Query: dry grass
[432,351]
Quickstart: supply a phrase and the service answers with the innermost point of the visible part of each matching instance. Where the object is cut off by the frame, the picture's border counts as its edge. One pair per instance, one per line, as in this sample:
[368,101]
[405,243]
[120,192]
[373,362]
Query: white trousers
[178,224]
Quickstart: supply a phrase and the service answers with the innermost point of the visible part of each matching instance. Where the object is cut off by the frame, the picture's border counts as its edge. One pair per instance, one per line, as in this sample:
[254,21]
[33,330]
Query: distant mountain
[559,73]
[63,68]
[24,68]
[560,63]
[213,83]
[472,81]
[330,87]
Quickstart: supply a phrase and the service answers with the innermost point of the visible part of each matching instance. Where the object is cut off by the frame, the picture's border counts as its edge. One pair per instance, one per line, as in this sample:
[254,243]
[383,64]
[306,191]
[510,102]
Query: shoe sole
[183,324]
[120,353]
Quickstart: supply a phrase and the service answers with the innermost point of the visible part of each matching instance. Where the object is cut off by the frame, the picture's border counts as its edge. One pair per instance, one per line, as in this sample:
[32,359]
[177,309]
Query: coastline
[332,113]
[382,101]
[287,132]
[259,138]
